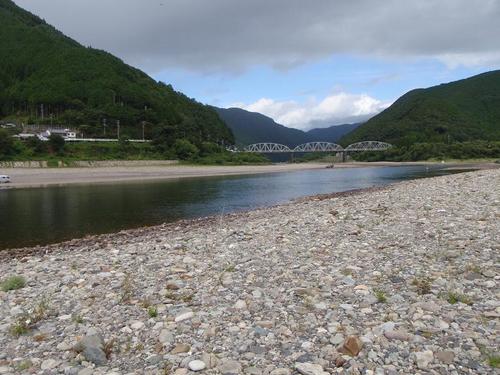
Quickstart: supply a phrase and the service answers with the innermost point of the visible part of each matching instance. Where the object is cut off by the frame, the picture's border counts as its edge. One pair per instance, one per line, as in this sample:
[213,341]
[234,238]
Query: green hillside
[43,72]
[465,110]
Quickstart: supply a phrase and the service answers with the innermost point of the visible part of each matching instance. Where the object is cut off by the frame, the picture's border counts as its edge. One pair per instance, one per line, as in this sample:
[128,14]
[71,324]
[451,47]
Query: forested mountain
[464,110]
[47,77]
[252,127]
[331,134]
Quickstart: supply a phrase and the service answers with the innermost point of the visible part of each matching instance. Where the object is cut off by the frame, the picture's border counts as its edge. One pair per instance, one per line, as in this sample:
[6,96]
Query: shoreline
[398,279]
[46,177]
[184,224]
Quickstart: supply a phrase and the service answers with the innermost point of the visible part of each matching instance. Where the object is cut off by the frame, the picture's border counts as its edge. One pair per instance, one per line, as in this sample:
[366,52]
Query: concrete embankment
[88,163]
[398,280]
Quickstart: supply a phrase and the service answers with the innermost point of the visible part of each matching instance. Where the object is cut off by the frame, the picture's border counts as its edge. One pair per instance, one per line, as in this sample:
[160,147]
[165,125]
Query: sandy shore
[39,177]
[397,280]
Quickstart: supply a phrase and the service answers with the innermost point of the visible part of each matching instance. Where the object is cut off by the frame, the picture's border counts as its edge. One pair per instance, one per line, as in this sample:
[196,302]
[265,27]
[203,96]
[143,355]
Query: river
[39,216]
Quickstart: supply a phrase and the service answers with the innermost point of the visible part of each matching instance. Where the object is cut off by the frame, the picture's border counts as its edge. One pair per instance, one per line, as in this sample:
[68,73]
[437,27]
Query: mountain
[332,134]
[252,127]
[464,110]
[47,77]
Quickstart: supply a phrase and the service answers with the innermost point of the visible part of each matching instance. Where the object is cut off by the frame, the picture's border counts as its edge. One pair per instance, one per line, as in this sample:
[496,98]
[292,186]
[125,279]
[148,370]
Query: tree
[6,144]
[56,143]
[185,149]
[164,138]
[38,146]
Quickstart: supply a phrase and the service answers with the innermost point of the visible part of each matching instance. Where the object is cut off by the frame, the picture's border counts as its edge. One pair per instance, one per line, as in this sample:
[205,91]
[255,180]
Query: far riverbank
[40,177]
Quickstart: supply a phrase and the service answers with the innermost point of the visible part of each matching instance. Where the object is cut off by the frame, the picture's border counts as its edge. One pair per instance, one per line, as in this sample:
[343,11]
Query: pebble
[424,358]
[196,365]
[49,364]
[166,337]
[184,316]
[310,369]
[230,367]
[397,335]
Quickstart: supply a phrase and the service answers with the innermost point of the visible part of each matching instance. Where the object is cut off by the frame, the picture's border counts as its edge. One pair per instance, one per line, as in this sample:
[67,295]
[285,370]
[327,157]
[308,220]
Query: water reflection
[45,215]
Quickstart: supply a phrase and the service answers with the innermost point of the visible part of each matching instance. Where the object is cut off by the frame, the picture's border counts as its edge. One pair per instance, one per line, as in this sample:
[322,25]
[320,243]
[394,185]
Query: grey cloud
[230,35]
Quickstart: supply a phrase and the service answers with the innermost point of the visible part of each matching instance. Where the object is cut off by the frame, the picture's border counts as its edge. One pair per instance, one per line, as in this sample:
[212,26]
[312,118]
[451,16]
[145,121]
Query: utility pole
[144,121]
[118,129]
[104,126]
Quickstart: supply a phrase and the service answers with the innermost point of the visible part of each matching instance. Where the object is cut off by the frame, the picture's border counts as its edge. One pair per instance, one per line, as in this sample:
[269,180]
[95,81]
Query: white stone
[184,316]
[307,345]
[137,325]
[240,305]
[196,365]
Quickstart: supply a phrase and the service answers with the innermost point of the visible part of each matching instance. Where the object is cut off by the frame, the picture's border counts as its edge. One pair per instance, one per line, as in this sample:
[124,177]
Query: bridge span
[273,148]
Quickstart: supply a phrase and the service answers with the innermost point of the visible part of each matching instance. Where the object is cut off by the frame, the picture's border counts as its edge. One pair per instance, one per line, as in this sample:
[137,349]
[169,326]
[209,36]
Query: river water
[53,214]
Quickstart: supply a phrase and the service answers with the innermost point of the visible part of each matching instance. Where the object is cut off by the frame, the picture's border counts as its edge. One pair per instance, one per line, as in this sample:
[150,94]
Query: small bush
[380,294]
[127,289]
[453,298]
[25,322]
[494,361]
[152,312]
[13,283]
[423,285]
[20,327]
[108,348]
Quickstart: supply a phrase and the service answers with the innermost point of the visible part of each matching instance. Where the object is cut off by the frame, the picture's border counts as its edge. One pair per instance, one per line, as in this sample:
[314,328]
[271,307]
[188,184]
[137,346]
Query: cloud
[339,108]
[229,35]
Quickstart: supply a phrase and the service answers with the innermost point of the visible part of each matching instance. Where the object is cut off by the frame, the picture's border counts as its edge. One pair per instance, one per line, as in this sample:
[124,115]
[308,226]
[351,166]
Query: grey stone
[310,369]
[230,367]
[423,359]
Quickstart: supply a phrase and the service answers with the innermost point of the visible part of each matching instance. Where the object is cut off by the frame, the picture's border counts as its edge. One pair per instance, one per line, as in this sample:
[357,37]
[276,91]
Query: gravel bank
[400,280]
[40,177]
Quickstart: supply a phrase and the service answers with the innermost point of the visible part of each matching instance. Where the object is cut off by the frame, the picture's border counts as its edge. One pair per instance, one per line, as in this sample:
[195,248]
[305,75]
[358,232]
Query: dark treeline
[426,151]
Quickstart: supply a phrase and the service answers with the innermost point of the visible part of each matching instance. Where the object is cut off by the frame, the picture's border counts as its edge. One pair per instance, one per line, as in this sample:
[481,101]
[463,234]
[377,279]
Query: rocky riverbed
[400,280]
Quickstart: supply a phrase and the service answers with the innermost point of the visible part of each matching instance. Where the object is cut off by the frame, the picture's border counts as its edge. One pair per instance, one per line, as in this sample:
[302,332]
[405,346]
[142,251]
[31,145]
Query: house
[65,133]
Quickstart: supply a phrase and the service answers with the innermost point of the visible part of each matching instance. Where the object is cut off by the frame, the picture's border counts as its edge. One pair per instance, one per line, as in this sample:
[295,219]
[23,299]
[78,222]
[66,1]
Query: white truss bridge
[272,148]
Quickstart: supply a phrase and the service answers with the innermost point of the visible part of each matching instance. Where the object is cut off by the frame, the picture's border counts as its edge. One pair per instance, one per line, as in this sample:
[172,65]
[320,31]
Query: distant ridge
[331,134]
[252,127]
[464,110]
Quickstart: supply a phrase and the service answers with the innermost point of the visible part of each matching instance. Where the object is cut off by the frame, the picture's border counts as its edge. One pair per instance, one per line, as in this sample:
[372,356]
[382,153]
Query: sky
[306,64]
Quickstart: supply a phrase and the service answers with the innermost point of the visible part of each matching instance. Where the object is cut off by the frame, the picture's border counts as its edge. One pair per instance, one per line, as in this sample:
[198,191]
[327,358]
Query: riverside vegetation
[396,280]
[56,150]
